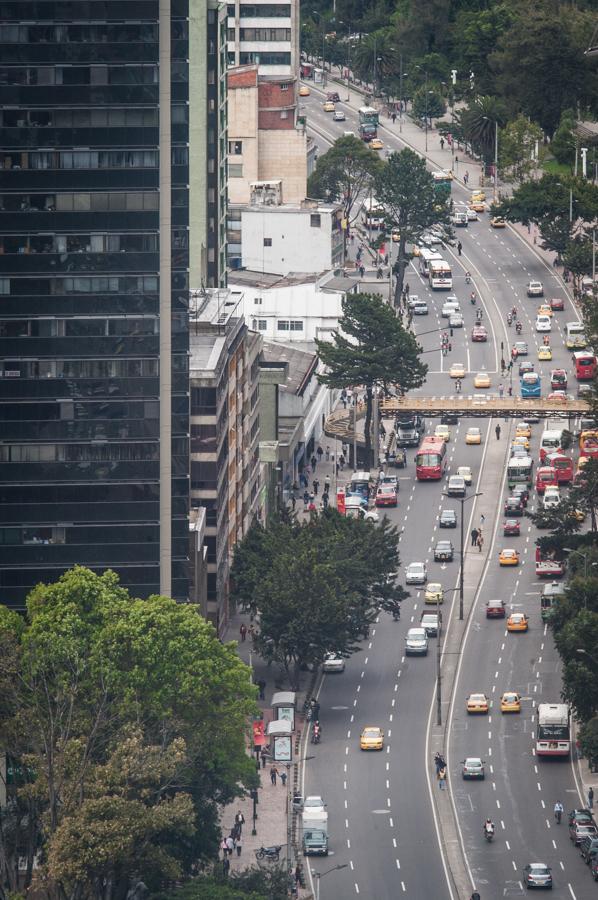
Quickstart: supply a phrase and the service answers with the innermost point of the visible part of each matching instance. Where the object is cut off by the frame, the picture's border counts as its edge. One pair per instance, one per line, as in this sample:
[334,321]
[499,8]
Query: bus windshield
[441,276]
[575,336]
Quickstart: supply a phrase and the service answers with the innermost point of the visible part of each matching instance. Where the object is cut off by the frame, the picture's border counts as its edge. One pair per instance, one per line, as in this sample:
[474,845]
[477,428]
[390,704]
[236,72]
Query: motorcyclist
[467,278]
[489,828]
[514,312]
[518,327]
[509,319]
[558,811]
[479,314]
[546,341]
[317,732]
[473,298]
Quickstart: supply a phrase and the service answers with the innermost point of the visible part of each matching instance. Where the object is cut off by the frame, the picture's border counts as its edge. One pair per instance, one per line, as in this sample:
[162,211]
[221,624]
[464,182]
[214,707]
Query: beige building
[265,141]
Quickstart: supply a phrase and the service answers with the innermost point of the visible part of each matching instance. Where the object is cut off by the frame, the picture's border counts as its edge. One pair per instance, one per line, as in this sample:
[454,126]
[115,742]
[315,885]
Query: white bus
[441,276]
[425,258]
[373,214]
[575,338]
[520,471]
[553,737]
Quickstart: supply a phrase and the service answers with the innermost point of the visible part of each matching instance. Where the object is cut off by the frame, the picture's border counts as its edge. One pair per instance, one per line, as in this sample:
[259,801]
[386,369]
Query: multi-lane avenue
[383,823]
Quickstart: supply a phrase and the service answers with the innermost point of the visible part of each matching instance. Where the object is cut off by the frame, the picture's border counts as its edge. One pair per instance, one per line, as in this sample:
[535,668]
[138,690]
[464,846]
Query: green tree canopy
[109,712]
[318,585]
[405,189]
[371,348]
[345,173]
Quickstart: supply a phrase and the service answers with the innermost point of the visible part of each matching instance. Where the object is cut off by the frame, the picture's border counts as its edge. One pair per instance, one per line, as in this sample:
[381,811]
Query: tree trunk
[400,273]
[368,428]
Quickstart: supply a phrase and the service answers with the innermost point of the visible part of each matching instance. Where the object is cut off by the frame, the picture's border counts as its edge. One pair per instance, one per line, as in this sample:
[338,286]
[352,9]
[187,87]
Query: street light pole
[496,160]
[401,94]
[438,666]
[426,107]
[463,501]
[319,875]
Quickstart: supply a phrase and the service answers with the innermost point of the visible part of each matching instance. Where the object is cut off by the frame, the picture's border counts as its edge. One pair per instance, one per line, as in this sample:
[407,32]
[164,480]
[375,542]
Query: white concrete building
[305,237]
[266,33]
[294,309]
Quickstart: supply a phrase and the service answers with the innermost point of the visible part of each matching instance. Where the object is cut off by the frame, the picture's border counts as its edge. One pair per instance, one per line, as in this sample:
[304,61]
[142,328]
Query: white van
[550,441]
[552,497]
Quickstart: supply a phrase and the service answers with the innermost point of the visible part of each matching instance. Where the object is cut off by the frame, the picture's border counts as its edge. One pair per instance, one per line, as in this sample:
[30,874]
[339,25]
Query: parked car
[579,830]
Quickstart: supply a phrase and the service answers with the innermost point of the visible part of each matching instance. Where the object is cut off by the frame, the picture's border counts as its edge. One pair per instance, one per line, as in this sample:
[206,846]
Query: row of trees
[528,55]
[124,724]
[316,586]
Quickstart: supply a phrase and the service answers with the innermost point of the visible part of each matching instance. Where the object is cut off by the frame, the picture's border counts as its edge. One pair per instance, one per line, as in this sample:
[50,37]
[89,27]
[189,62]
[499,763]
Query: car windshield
[371,732]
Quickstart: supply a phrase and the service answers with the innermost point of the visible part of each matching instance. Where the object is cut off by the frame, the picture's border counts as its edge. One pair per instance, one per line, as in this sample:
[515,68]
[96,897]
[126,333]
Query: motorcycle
[509,320]
[467,278]
[396,615]
[316,735]
[489,834]
[518,327]
[479,315]
[270,853]
[473,299]
[557,815]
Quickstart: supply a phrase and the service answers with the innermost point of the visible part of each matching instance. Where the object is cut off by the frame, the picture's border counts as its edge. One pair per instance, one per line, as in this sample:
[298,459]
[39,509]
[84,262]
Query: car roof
[473,759]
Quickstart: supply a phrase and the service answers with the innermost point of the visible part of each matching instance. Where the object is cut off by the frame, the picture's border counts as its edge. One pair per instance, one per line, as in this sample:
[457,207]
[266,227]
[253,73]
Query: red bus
[545,477]
[585,365]
[429,460]
[563,465]
[588,443]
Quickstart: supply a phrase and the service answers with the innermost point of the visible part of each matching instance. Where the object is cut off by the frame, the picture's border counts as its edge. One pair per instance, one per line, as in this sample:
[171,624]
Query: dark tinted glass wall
[80,290]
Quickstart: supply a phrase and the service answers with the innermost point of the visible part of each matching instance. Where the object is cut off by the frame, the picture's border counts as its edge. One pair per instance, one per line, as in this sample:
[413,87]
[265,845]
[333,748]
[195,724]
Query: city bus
[429,460]
[425,258]
[368,116]
[585,365]
[588,443]
[553,735]
[551,595]
[373,214]
[520,471]
[440,275]
[531,385]
[563,466]
[575,338]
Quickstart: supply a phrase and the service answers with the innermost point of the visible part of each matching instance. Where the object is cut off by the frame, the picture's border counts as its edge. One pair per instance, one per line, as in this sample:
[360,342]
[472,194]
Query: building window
[257,301]
[315,220]
[284,87]
[235,148]
[235,170]
[289,325]
[267,242]
[284,114]
[262,324]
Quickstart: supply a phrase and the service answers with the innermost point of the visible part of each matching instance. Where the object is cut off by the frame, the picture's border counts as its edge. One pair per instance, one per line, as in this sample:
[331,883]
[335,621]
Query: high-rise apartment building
[94,282]
[265,33]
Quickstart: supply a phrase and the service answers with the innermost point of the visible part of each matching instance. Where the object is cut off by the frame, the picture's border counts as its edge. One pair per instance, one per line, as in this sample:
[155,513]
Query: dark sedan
[521,492]
[513,507]
[525,367]
[448,519]
[537,875]
[443,551]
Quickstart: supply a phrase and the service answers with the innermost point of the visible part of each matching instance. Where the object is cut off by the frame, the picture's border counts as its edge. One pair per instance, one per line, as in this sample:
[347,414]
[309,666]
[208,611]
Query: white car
[416,573]
[456,486]
[465,473]
[535,289]
[338,116]
[552,497]
[449,308]
[472,215]
[456,320]
[416,642]
[314,803]
[543,323]
[420,308]
[333,663]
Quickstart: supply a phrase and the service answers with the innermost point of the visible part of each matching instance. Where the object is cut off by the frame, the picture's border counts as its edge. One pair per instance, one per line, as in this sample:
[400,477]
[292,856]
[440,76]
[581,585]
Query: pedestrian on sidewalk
[501,391]
[243,632]
[314,463]
[225,866]
[394,117]
[305,498]
[474,536]
[319,453]
[251,633]
[283,778]
[442,779]
[482,521]
[459,247]
[316,485]
[223,847]
[480,542]
[442,143]
[361,271]
[466,175]
[327,483]
[341,461]
[591,798]
[273,774]
[230,845]
[239,846]
[263,757]
[327,452]
[439,762]
[262,687]
[293,500]
[497,430]
[325,499]
[406,290]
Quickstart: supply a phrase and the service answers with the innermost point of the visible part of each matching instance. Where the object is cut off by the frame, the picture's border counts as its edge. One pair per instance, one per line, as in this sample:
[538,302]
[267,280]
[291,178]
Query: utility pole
[438,666]
[401,94]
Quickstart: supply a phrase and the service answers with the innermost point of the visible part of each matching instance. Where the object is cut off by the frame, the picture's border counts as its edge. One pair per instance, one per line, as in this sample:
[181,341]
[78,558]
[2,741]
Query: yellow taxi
[508,558]
[376,144]
[473,436]
[477,703]
[477,205]
[482,380]
[444,432]
[544,351]
[434,592]
[517,622]
[457,370]
[478,195]
[415,250]
[523,429]
[329,106]
[578,515]
[497,222]
[520,440]
[304,91]
[545,309]
[510,702]
[371,738]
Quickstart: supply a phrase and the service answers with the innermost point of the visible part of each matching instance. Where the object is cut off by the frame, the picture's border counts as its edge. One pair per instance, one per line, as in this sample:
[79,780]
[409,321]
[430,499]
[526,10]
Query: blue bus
[531,385]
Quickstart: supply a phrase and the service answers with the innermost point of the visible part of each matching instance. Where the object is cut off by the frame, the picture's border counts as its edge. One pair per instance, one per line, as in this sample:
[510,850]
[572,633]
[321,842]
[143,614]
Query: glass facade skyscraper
[94,261]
